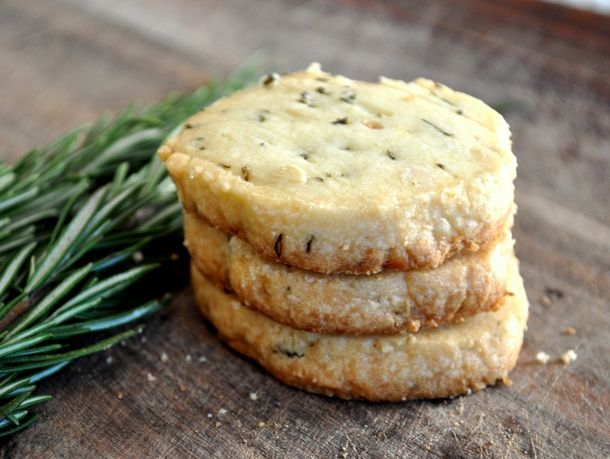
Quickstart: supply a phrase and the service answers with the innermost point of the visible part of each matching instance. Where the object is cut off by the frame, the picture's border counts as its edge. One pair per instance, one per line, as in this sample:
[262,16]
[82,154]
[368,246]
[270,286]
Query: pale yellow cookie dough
[450,360]
[386,303]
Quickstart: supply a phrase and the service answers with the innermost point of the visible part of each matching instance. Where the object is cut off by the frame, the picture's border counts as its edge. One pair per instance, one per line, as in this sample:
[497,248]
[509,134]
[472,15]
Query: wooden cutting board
[548,68]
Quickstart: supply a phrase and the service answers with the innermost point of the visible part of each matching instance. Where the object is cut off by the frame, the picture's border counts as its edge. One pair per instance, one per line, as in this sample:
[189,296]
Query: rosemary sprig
[77,219]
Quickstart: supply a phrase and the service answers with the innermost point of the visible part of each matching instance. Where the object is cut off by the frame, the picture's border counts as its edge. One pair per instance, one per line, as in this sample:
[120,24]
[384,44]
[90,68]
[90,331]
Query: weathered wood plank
[66,61]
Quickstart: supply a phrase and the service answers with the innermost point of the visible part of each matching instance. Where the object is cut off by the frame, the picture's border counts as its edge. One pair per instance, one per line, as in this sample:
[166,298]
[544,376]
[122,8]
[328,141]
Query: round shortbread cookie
[444,362]
[385,303]
[335,175]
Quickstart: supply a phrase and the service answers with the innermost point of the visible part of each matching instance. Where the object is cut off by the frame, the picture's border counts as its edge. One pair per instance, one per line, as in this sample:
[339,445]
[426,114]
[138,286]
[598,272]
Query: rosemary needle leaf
[125,144]
[64,244]
[6,180]
[18,199]
[28,363]
[8,386]
[3,423]
[108,322]
[9,273]
[38,350]
[76,193]
[49,371]
[10,348]
[13,404]
[15,242]
[119,178]
[108,286]
[120,256]
[49,301]
[35,400]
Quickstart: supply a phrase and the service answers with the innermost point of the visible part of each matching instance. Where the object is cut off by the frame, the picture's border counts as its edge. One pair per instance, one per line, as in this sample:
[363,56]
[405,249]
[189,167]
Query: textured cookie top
[394,152]
[338,142]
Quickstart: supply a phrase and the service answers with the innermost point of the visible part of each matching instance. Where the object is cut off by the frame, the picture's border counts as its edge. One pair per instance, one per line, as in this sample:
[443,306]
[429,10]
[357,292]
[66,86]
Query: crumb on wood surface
[571,331]
[543,357]
[545,300]
[568,357]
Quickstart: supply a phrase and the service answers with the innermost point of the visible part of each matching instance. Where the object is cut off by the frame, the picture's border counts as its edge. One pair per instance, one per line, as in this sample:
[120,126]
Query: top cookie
[335,175]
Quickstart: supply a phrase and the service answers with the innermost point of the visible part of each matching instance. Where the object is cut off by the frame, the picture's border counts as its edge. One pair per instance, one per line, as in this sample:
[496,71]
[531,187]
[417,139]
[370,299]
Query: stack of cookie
[354,238]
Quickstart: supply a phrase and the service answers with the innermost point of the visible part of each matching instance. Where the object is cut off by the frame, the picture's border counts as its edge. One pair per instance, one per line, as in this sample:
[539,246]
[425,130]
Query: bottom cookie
[444,362]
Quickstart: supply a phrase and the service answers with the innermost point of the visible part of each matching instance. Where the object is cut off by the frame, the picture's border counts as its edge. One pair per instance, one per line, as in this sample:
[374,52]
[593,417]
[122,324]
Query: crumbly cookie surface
[335,175]
[444,362]
[389,302]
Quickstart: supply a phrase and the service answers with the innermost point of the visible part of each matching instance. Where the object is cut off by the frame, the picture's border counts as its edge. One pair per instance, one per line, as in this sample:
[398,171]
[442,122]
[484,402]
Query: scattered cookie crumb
[164,357]
[150,377]
[120,395]
[261,424]
[222,411]
[460,408]
[253,396]
[568,357]
[507,381]
[545,300]
[543,357]
[202,359]
[217,424]
[188,358]
[570,331]
[345,451]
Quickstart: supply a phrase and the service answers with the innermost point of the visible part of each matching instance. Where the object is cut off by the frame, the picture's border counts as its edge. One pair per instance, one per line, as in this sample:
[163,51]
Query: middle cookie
[389,302]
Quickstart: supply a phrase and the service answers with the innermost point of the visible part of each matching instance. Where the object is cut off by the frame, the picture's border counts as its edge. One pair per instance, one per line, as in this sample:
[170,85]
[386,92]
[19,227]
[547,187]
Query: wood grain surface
[63,62]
